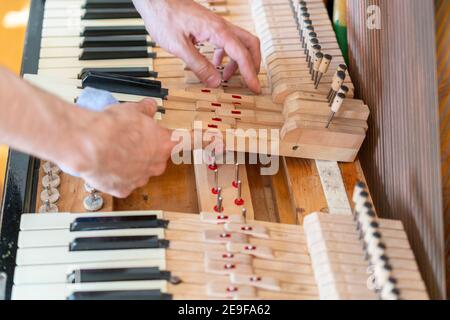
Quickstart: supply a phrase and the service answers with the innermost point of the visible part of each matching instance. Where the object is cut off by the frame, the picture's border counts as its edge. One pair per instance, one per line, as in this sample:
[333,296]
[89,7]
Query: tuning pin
[213,165]
[215,189]
[48,207]
[309,42]
[335,107]
[315,50]
[51,180]
[305,31]
[93,202]
[316,64]
[244,215]
[219,208]
[239,201]
[236,175]
[324,65]
[50,167]
[336,84]
[49,194]
[390,290]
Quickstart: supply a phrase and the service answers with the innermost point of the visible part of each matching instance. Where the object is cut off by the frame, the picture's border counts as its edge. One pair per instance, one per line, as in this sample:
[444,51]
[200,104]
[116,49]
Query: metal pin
[323,68]
[215,190]
[306,30]
[93,202]
[219,204]
[244,214]
[316,64]
[337,103]
[48,207]
[239,201]
[315,50]
[236,175]
[338,80]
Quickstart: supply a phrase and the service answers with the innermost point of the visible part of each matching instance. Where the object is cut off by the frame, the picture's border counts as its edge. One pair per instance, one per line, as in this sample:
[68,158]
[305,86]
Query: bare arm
[115,151]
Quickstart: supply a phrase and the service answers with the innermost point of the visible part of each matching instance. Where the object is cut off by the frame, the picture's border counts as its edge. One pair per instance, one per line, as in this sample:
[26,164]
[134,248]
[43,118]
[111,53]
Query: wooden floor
[13,17]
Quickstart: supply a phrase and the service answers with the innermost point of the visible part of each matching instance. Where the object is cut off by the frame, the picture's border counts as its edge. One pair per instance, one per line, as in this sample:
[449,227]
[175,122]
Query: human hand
[123,148]
[177,25]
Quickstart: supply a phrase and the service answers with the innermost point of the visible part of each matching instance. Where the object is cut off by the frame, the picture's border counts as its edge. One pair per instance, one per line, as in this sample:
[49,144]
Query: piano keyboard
[167,255]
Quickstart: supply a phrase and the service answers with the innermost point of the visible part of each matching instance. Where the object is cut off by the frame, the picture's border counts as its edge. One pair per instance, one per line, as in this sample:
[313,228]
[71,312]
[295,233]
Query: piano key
[62,255]
[63,220]
[131,295]
[117,243]
[57,273]
[142,72]
[97,41]
[88,4]
[74,22]
[124,84]
[64,291]
[100,53]
[92,14]
[62,237]
[77,73]
[118,274]
[115,223]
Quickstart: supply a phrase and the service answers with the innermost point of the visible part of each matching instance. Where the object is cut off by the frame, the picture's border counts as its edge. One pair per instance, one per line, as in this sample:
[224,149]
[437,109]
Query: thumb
[202,68]
[146,106]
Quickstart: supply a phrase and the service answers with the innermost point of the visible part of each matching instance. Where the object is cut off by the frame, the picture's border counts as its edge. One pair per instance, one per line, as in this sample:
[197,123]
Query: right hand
[123,148]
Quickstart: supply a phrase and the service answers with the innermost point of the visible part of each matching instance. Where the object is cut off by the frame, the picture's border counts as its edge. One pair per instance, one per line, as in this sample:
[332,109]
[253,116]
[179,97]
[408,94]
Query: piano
[209,230]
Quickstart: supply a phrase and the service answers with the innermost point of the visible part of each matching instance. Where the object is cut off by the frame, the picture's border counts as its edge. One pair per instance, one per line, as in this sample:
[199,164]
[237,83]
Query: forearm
[37,123]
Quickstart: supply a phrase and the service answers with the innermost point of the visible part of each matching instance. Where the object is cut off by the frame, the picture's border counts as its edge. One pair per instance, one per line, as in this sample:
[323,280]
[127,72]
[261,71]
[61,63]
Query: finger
[230,70]
[239,53]
[252,43]
[146,106]
[218,56]
[202,68]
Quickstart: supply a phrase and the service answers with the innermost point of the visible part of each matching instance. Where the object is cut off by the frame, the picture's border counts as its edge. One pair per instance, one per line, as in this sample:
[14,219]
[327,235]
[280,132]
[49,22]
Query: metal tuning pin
[335,107]
[93,202]
[51,180]
[316,64]
[49,194]
[215,189]
[239,201]
[338,80]
[244,215]
[323,69]
[309,42]
[48,207]
[213,165]
[312,42]
[50,167]
[219,206]
[312,59]
[236,175]
[305,31]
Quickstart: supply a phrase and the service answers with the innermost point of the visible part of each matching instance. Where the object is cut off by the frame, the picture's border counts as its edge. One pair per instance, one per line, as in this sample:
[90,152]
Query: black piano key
[102,4]
[113,31]
[124,84]
[121,13]
[106,53]
[121,295]
[115,223]
[117,243]
[140,72]
[116,41]
[120,274]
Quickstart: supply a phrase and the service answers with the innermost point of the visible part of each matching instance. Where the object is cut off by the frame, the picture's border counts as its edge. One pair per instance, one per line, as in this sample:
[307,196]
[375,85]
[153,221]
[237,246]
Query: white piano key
[77,22]
[63,291]
[63,220]
[41,274]
[62,255]
[65,42]
[62,237]
[70,52]
[48,63]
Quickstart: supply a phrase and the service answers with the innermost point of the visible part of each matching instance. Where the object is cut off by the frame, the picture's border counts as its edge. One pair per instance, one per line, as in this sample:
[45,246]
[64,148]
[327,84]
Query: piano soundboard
[208,231]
